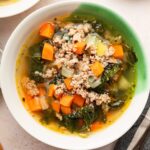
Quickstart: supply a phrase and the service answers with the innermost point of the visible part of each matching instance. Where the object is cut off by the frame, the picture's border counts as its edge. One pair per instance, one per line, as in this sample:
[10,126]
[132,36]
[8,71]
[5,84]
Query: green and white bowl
[8,84]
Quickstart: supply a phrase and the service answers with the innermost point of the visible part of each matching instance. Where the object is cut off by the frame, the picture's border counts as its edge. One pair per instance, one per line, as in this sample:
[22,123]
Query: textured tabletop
[12,136]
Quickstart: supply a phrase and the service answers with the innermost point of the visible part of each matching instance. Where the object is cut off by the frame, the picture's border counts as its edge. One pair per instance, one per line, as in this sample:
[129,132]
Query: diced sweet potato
[66,100]
[51,90]
[48,52]
[80,47]
[33,103]
[118,51]
[56,106]
[67,82]
[97,68]
[47,30]
[78,100]
[65,110]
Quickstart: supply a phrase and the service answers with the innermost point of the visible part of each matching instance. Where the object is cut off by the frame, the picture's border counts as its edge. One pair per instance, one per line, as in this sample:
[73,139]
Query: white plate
[16,8]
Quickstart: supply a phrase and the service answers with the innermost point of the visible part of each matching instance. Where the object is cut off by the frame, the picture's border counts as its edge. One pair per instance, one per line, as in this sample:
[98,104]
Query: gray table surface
[12,136]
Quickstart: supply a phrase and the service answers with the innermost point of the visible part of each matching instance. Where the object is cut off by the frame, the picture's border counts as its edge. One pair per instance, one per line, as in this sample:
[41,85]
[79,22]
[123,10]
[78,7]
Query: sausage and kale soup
[76,77]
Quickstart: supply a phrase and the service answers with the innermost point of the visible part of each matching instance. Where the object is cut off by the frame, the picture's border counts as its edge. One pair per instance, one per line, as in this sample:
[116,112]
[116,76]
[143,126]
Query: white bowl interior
[8,83]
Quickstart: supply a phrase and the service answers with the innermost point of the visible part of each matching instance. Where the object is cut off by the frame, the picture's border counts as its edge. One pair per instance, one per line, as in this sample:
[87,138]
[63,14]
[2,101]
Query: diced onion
[94,83]
[91,40]
[43,102]
[67,72]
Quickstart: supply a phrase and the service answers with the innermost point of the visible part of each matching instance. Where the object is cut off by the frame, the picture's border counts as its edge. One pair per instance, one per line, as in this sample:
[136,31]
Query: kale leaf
[56,79]
[109,72]
[36,63]
[130,57]
[47,116]
[88,114]
[116,104]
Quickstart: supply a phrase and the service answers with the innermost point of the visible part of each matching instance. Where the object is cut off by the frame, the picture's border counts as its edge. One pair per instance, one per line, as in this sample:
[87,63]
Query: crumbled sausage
[30,86]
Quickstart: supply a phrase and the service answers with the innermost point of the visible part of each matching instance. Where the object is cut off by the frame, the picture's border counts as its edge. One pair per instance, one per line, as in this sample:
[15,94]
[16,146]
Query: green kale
[35,51]
[116,104]
[56,78]
[36,63]
[47,116]
[88,114]
[130,57]
[110,71]
[108,74]
[98,27]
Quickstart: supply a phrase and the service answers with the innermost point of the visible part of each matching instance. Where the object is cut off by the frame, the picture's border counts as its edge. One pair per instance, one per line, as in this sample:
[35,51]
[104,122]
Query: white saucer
[16,8]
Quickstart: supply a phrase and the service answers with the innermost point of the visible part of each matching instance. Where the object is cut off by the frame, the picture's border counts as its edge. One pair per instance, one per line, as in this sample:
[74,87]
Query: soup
[76,75]
[7,2]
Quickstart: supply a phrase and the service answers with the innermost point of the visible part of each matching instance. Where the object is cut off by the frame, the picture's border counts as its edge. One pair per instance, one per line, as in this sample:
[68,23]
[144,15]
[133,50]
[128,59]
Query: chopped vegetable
[78,100]
[42,91]
[56,106]
[94,83]
[43,102]
[92,40]
[51,90]
[47,116]
[36,64]
[130,58]
[101,48]
[35,51]
[66,100]
[67,82]
[123,83]
[47,30]
[33,103]
[48,52]
[80,47]
[97,68]
[68,73]
[66,110]
[95,126]
[116,104]
[56,78]
[118,51]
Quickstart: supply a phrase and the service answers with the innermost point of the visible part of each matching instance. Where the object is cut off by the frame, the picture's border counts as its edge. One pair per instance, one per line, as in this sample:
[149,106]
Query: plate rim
[16,8]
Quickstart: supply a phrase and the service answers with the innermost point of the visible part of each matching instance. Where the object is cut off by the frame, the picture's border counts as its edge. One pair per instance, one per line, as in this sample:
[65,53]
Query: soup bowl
[9,89]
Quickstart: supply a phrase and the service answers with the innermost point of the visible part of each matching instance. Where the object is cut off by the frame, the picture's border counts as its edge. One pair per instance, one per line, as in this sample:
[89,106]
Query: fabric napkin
[132,139]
